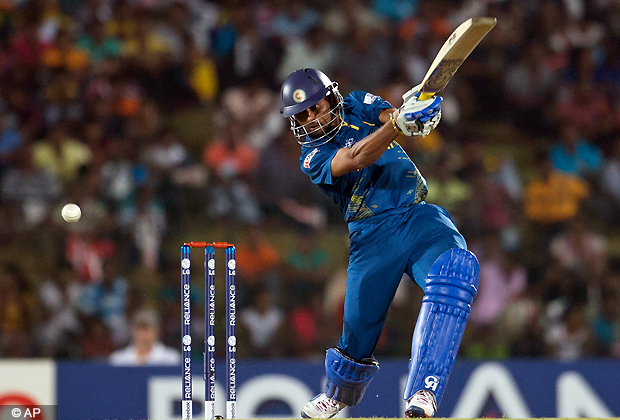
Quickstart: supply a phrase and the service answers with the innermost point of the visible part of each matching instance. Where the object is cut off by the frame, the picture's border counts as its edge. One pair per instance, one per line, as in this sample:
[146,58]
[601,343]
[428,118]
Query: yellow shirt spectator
[554,199]
[61,156]
[153,45]
[449,193]
[203,76]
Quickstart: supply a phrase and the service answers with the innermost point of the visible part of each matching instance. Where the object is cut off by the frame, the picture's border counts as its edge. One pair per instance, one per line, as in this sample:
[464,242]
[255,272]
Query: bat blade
[452,54]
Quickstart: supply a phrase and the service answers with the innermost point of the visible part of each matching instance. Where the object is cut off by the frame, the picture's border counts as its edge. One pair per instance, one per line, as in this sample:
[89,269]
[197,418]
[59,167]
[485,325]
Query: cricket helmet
[303,89]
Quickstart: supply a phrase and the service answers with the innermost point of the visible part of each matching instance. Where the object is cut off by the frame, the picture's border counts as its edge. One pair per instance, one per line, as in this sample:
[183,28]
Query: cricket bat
[451,55]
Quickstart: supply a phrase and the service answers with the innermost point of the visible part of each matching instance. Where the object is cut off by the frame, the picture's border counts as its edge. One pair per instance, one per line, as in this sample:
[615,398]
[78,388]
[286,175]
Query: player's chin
[316,132]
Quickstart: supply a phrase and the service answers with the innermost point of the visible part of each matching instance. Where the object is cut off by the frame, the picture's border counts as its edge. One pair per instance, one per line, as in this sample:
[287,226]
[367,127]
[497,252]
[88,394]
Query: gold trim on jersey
[350,125]
[357,209]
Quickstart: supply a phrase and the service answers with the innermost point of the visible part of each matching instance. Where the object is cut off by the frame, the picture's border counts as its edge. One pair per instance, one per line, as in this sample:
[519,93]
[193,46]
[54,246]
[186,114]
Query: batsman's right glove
[417,118]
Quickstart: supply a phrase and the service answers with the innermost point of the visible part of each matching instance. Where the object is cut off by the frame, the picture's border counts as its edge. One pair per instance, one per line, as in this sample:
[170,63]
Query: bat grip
[425,96]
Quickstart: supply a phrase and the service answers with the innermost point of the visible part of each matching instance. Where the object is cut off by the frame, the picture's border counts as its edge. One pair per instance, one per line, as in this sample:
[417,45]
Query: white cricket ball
[71,213]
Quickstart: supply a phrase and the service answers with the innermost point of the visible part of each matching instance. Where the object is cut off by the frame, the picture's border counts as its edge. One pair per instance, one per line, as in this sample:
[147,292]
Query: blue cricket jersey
[393,181]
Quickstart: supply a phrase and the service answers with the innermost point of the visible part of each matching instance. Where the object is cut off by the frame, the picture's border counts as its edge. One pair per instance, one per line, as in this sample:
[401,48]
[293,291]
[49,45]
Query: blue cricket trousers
[382,248]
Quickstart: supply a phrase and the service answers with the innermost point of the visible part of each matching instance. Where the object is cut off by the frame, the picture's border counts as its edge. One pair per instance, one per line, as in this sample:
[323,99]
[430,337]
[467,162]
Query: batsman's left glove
[417,118]
[412,95]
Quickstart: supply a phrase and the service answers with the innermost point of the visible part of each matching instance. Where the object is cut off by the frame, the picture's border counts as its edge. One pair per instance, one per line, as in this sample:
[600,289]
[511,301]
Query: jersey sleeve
[370,105]
[316,162]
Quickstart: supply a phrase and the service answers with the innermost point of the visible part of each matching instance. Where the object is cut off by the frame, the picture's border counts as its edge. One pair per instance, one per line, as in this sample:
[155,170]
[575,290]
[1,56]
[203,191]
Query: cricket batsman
[349,150]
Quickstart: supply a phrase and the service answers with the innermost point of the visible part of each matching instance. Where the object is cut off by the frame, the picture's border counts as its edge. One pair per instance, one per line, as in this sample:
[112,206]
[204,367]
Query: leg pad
[347,379]
[451,286]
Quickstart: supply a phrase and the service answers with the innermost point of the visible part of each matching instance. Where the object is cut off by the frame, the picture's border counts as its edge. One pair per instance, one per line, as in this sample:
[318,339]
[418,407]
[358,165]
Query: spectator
[606,324]
[587,109]
[572,338]
[60,325]
[575,156]
[490,208]
[294,20]
[17,313]
[62,98]
[306,266]
[11,139]
[64,54]
[123,21]
[91,11]
[521,324]
[96,341]
[166,153]
[231,160]
[306,322]
[553,197]
[27,48]
[108,300]
[147,48]
[446,189]
[344,15]
[502,280]
[201,73]
[27,191]
[145,224]
[365,64]
[610,181]
[257,263]
[582,250]
[145,348]
[85,251]
[61,155]
[281,156]
[252,107]
[99,45]
[264,325]
[528,86]
[316,51]
[120,174]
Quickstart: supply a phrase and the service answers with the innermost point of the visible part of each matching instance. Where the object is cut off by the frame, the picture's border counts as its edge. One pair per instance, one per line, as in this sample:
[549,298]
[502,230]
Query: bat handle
[425,96]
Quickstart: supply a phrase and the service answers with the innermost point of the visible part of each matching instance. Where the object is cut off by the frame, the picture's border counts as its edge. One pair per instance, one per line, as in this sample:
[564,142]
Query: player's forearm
[369,149]
[365,152]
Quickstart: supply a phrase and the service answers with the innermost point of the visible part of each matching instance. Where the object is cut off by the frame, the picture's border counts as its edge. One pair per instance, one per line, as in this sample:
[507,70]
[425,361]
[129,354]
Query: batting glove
[417,118]
[412,95]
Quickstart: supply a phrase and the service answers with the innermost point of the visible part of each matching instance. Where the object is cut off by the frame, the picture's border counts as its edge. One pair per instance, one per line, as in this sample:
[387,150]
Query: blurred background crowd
[160,118]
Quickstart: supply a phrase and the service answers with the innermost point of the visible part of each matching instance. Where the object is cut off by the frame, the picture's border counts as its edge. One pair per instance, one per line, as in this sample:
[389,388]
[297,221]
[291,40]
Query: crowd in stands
[160,119]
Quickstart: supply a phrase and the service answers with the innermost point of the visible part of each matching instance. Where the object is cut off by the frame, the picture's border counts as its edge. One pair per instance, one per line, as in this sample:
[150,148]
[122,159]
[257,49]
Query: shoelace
[423,398]
[327,404]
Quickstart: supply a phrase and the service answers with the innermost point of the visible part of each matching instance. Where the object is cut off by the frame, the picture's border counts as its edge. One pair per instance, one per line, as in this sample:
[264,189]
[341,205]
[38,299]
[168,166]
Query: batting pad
[347,379]
[451,286]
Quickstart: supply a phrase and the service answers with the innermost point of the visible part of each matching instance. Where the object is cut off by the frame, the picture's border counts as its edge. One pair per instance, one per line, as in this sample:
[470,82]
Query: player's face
[320,121]
[316,114]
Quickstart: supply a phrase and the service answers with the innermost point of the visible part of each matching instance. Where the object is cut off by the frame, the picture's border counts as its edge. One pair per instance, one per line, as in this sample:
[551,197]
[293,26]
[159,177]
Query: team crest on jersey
[369,98]
[308,158]
[299,95]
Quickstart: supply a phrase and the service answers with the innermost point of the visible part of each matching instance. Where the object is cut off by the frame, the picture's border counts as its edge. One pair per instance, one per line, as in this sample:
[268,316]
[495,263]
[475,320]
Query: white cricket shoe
[321,407]
[421,404]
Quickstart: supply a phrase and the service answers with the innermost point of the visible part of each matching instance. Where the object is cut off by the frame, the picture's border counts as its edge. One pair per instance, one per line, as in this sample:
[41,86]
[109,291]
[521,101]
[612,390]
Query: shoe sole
[415,413]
